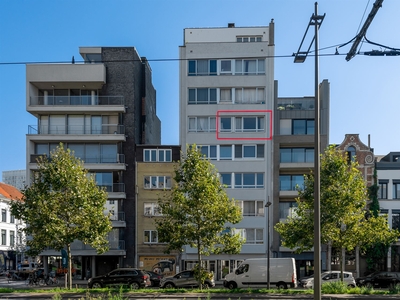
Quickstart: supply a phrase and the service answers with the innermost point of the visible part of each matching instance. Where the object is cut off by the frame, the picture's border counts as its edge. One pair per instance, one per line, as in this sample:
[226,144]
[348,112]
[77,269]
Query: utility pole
[300,57]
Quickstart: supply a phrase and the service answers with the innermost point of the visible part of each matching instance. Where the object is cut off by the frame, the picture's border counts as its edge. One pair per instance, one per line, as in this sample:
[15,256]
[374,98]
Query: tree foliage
[197,210]
[61,205]
[343,195]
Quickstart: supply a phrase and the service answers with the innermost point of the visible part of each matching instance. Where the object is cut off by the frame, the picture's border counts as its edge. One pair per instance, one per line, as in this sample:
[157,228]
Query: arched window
[351,153]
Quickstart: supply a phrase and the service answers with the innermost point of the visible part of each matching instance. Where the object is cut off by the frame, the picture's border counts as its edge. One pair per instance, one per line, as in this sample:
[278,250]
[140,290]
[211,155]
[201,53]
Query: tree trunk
[199,265]
[69,266]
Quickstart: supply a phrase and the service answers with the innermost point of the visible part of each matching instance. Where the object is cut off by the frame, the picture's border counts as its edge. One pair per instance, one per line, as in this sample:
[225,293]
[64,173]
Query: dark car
[134,278]
[184,279]
[379,279]
[154,278]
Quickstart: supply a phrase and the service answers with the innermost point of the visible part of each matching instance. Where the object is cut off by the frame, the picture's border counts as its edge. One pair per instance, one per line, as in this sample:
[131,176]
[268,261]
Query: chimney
[231,25]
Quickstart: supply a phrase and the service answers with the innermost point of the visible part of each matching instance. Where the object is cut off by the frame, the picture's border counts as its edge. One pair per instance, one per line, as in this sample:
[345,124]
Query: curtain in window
[226,95]
[249,96]
[192,124]
[250,67]
[202,124]
[202,67]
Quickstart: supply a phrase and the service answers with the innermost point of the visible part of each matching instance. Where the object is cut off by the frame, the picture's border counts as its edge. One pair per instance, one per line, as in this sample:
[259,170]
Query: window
[249,180]
[3,237]
[226,124]
[249,124]
[396,219]
[12,219]
[287,209]
[249,151]
[254,236]
[351,153]
[202,124]
[382,192]
[225,95]
[202,67]
[225,152]
[157,182]
[157,155]
[104,180]
[202,96]
[152,209]
[209,151]
[246,39]
[291,182]
[150,237]
[226,179]
[249,95]
[252,208]
[226,67]
[303,127]
[12,238]
[249,66]
[296,155]
[3,215]
[396,189]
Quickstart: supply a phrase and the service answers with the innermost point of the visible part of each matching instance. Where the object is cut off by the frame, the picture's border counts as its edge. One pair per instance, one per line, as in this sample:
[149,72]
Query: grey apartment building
[100,109]
[261,144]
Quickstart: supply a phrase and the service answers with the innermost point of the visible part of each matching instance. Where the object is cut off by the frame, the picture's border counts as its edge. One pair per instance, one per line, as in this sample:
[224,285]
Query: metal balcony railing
[77,129]
[76,100]
[113,245]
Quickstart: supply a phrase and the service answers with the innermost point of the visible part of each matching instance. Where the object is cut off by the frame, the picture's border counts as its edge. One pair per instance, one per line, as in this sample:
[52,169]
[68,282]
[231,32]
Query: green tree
[61,205]
[197,211]
[344,224]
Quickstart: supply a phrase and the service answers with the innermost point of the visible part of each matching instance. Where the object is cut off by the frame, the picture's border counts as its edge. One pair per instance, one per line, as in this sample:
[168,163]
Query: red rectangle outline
[244,111]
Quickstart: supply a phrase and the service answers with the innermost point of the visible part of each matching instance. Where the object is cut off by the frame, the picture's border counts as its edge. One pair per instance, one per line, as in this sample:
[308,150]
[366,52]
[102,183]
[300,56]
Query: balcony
[297,104]
[103,159]
[76,100]
[77,129]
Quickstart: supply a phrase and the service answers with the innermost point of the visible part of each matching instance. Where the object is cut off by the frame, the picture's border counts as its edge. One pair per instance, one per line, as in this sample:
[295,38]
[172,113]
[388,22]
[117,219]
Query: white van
[252,273]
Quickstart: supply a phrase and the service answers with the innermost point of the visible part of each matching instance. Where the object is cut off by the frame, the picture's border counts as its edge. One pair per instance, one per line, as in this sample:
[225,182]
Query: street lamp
[300,57]
[267,205]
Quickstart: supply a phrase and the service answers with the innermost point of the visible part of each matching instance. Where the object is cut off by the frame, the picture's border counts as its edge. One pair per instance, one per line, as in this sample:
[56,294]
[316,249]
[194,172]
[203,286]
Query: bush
[337,287]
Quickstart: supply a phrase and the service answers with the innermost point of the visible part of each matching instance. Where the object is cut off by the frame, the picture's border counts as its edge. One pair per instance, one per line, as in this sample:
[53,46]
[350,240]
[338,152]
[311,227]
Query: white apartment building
[226,108]
[12,245]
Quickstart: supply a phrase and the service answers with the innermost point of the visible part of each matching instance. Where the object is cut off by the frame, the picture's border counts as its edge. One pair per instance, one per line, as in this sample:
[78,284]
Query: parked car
[134,278]
[154,278]
[184,279]
[329,276]
[379,279]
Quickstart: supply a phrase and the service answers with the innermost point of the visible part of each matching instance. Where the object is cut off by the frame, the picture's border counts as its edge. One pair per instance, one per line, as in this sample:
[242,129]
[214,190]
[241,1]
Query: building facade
[388,173]
[12,245]
[155,169]
[293,156]
[100,109]
[16,178]
[226,109]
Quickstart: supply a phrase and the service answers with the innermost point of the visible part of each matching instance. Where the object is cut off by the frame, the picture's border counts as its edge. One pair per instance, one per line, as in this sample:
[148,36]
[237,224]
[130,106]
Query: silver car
[184,279]
[329,276]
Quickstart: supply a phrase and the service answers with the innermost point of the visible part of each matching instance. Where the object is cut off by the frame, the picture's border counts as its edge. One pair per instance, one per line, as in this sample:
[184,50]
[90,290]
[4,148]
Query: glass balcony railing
[298,104]
[120,216]
[77,129]
[76,100]
[103,159]
[113,187]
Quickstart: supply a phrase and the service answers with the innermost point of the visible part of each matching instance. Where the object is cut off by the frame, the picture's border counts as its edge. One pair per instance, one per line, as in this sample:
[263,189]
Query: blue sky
[364,90]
